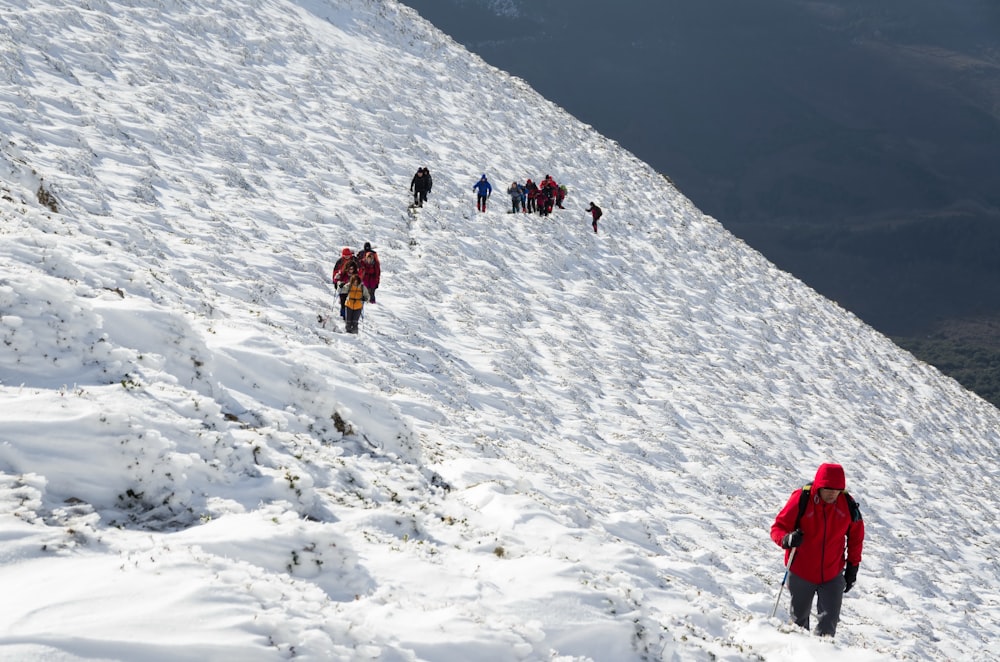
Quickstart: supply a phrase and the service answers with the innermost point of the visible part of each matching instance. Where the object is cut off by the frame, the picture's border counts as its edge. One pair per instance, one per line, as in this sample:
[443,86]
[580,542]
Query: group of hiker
[532,198]
[357,277]
[540,198]
[527,198]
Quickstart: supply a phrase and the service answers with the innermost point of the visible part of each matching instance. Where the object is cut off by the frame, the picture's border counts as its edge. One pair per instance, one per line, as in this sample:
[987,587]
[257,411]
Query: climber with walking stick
[821,530]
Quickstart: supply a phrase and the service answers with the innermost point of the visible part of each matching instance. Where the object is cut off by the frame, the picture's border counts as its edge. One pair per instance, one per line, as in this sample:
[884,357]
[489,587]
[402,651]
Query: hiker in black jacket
[421,185]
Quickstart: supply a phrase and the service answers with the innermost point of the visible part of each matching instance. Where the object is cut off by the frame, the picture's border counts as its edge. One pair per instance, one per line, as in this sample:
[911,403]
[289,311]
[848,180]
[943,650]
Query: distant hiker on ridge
[483,190]
[818,523]
[544,200]
[531,189]
[430,181]
[516,193]
[548,190]
[421,185]
[595,213]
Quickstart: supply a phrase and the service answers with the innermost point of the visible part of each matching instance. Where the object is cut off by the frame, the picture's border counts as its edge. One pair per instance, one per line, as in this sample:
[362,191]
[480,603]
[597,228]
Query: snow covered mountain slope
[545,443]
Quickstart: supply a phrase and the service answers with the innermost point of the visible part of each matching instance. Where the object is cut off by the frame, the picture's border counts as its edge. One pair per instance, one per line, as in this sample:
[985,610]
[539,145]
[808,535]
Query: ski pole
[783,580]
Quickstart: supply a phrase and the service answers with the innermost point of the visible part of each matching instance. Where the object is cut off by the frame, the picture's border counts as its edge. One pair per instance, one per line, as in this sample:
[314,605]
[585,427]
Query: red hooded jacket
[827,530]
[370,270]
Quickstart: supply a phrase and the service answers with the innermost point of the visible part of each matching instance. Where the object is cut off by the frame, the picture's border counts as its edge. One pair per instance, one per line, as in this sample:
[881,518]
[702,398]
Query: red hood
[830,476]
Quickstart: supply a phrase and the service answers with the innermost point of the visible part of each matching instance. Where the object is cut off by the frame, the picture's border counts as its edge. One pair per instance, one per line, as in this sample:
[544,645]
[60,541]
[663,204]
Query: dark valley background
[854,143]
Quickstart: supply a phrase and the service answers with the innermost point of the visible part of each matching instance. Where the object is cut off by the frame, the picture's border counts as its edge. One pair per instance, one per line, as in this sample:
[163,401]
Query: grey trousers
[829,597]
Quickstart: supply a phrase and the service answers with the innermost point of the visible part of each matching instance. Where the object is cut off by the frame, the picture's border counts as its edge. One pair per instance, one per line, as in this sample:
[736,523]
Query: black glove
[793,539]
[850,576]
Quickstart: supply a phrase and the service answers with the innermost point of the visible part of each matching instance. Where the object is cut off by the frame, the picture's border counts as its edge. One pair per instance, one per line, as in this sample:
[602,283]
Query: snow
[544,444]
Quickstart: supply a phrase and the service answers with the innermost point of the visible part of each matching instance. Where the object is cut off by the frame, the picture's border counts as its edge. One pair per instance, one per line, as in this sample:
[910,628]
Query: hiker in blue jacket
[483,189]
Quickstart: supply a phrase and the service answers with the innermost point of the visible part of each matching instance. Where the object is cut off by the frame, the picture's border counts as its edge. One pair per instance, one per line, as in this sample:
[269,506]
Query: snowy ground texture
[545,444]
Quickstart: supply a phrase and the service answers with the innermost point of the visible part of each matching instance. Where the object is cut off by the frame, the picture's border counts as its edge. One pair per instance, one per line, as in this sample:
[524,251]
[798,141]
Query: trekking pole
[783,580]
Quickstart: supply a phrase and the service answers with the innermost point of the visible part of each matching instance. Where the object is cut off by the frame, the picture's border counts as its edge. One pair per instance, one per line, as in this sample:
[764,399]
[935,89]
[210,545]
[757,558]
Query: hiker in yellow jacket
[357,295]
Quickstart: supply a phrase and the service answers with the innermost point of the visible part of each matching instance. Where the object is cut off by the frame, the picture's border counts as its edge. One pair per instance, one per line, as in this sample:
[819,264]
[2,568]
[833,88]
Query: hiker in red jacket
[548,191]
[543,200]
[346,265]
[829,525]
[532,194]
[370,269]
[595,213]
